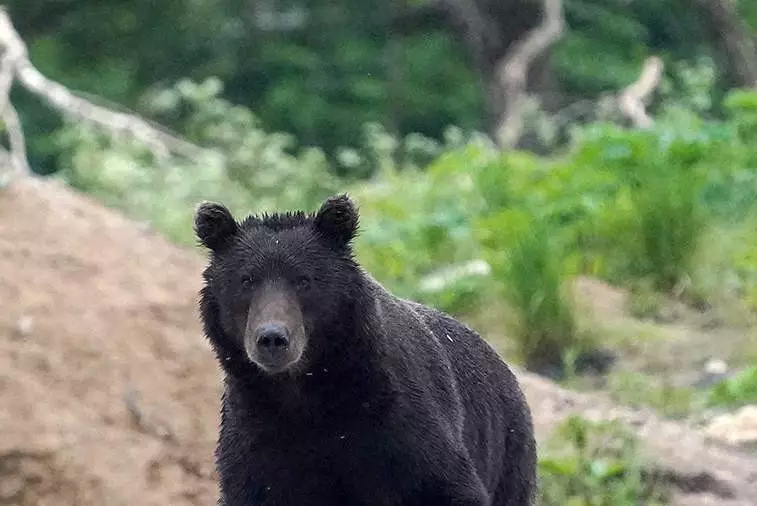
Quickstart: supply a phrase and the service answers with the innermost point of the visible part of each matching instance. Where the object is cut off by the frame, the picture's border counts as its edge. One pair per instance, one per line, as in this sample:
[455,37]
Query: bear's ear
[214,225]
[337,220]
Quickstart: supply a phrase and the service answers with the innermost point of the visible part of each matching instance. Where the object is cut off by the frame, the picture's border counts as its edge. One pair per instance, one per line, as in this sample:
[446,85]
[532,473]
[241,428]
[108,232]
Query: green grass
[595,464]
[544,326]
[638,389]
[669,224]
[736,391]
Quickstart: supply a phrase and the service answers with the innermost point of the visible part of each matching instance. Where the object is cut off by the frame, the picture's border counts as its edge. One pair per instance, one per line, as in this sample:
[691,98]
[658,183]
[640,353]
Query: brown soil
[109,393]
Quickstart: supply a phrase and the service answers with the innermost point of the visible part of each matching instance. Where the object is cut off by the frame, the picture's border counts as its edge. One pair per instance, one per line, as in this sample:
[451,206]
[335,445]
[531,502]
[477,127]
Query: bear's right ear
[214,225]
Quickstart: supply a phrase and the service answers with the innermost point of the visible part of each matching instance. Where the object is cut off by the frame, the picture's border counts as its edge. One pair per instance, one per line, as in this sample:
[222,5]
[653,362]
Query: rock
[716,366]
[738,429]
[25,325]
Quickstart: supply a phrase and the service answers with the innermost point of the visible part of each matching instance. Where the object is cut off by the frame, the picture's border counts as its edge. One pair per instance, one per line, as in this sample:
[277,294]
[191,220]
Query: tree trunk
[737,47]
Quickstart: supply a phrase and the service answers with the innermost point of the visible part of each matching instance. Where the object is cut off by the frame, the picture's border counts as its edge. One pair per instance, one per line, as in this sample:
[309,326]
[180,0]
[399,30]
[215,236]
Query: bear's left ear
[337,220]
[214,225]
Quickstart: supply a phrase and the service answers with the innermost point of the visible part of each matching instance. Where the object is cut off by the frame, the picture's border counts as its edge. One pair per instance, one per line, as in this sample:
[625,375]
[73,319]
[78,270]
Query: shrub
[256,172]
[417,234]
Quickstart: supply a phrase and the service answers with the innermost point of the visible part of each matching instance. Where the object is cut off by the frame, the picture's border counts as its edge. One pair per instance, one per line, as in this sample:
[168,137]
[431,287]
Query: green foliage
[416,229]
[595,464]
[742,107]
[619,35]
[669,225]
[318,69]
[106,50]
[254,171]
[628,206]
[738,390]
[260,162]
[527,265]
[323,69]
[645,301]
[725,273]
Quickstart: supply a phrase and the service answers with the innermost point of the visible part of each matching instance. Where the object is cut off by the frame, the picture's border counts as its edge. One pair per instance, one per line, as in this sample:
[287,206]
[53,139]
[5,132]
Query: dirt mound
[102,364]
[110,394]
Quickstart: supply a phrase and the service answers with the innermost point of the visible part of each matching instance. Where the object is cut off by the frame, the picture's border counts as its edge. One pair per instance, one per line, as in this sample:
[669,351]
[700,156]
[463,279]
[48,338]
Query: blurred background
[577,179]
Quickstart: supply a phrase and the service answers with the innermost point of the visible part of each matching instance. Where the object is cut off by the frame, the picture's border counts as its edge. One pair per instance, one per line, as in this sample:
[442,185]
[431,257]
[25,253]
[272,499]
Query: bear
[337,392]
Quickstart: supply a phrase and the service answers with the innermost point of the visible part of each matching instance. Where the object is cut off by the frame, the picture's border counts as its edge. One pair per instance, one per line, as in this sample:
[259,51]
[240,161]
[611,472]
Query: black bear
[338,393]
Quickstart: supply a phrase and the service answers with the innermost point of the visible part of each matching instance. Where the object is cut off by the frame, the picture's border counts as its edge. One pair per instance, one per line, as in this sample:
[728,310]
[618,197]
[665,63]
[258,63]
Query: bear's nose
[272,338]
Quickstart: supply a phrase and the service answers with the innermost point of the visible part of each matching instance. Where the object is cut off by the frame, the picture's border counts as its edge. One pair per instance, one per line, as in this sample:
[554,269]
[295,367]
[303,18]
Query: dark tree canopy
[322,69]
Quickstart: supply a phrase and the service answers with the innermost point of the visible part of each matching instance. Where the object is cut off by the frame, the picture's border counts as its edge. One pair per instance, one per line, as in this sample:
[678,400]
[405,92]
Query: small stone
[739,428]
[24,325]
[716,367]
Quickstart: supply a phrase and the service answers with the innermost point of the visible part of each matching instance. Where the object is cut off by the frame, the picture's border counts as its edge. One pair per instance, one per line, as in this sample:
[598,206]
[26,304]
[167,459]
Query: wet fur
[392,402]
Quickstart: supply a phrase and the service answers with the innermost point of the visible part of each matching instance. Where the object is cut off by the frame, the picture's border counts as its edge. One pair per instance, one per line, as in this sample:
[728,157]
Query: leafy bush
[254,170]
[650,217]
[416,229]
[595,464]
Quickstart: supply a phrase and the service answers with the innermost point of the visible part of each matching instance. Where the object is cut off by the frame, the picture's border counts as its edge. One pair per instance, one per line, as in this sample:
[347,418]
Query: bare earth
[109,393]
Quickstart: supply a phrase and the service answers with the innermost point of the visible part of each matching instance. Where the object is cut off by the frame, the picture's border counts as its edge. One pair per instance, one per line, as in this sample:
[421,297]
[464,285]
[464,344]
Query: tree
[734,42]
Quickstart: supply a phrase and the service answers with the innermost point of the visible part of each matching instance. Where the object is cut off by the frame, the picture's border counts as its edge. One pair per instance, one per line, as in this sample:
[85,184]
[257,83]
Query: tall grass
[668,223]
[544,329]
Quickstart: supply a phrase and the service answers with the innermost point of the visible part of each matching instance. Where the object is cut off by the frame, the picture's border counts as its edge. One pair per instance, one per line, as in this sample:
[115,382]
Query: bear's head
[277,284]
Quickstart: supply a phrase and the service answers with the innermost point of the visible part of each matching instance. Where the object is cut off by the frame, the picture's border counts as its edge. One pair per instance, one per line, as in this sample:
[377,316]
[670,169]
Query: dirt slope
[109,393]
[113,325]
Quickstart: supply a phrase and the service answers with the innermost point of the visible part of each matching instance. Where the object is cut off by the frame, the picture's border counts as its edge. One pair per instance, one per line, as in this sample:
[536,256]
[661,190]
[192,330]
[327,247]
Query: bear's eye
[303,283]
[247,281]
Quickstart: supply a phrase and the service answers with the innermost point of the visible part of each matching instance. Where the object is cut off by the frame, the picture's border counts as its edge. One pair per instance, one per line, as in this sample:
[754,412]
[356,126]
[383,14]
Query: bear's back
[497,423]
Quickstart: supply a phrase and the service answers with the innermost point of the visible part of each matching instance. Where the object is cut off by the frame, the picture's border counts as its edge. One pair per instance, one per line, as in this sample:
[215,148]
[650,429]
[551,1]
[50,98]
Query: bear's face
[279,282]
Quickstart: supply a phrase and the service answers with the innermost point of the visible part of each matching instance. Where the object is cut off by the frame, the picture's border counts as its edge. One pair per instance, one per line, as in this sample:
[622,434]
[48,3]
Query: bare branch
[632,100]
[513,70]
[15,64]
[16,140]
[10,117]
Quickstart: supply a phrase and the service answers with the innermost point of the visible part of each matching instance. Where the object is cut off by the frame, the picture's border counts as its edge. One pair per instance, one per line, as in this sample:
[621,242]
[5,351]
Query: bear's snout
[275,336]
[273,346]
[272,339]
